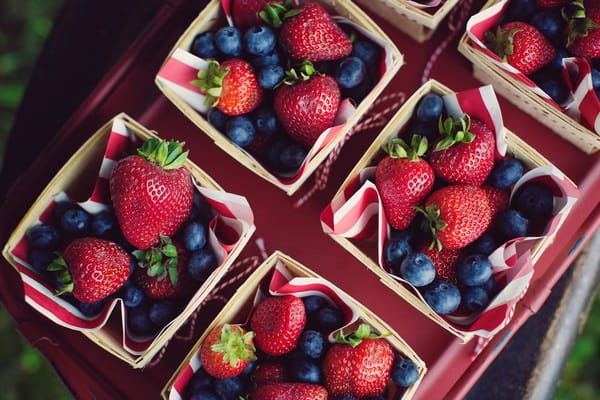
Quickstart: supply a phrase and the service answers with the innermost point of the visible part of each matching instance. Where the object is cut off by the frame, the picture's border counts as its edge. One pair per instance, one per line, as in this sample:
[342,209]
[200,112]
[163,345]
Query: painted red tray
[452,369]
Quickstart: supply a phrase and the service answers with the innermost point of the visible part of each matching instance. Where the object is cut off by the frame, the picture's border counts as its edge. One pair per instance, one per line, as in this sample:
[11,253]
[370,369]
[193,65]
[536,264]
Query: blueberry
[474,270]
[394,252]
[512,224]
[201,209]
[359,92]
[259,40]
[535,201]
[367,51]
[139,321]
[228,41]
[429,129]
[204,395]
[329,318]
[475,299]
[274,154]
[417,269]
[293,155]
[230,388]
[249,369]
[60,208]
[306,372]
[443,297]
[490,286]
[43,237]
[270,75]
[506,173]
[556,62]
[486,244]
[549,23]
[312,343]
[596,78]
[102,223]
[75,221]
[521,10]
[430,108]
[263,61]
[554,88]
[404,372]
[351,73]
[598,93]
[203,46]
[312,304]
[40,259]
[199,382]
[201,264]
[162,312]
[240,130]
[91,309]
[266,121]
[218,119]
[132,296]
[194,236]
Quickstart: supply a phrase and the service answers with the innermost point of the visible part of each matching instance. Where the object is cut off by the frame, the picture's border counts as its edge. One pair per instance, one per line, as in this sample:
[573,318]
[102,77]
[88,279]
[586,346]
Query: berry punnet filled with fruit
[303,340]
[145,241]
[457,219]
[551,46]
[282,81]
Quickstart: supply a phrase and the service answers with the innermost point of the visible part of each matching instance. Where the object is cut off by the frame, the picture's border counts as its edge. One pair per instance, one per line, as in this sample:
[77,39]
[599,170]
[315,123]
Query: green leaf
[155,269]
[423,145]
[460,135]
[170,250]
[156,256]
[139,254]
[173,275]
[292,13]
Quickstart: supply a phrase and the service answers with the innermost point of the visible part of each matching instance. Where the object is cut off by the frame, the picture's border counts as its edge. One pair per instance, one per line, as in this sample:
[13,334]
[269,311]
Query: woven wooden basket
[77,173]
[240,304]
[516,146]
[518,94]
[211,18]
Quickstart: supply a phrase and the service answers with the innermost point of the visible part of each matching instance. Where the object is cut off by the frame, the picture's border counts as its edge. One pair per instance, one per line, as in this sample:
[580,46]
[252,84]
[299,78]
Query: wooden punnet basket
[75,178]
[415,22]
[213,17]
[516,147]
[240,305]
[520,95]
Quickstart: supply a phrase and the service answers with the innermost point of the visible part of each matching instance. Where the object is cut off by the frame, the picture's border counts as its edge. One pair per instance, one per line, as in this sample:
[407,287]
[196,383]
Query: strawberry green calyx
[433,224]
[63,276]
[160,261]
[210,82]
[168,155]
[275,13]
[454,130]
[577,20]
[235,344]
[398,148]
[355,338]
[501,42]
[301,72]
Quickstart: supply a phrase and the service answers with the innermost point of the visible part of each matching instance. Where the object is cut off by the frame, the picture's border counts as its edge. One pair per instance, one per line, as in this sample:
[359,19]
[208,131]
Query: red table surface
[90,372]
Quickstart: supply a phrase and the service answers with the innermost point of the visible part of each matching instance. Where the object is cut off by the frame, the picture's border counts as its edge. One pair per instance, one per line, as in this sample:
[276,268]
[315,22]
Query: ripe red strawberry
[583,30]
[497,198]
[232,86]
[289,391]
[457,215]
[306,109]
[245,12]
[358,365]
[521,45]
[152,192]
[403,180]
[226,351]
[466,153]
[162,272]
[310,33]
[444,261]
[278,323]
[92,269]
[549,4]
[269,372]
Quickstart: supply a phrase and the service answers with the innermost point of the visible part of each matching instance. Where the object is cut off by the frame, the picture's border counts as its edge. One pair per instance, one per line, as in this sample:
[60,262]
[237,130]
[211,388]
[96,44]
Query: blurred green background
[24,374]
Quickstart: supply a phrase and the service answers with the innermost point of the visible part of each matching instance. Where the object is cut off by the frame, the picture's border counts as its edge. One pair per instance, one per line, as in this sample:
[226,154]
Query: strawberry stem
[432,223]
[63,276]
[501,42]
[160,261]
[168,155]
[210,82]
[301,72]
[579,24]
[275,13]
[454,130]
[355,338]
[235,344]
[398,148]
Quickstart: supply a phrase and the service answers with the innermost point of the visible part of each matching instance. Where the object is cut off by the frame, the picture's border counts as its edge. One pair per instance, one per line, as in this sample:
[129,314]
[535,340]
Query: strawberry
[521,45]
[226,351]
[246,12]
[497,198]
[152,192]
[278,323]
[358,365]
[309,32]
[307,108]
[269,372]
[444,261]
[403,180]
[465,154]
[583,29]
[162,272]
[549,4]
[232,86]
[92,269]
[289,391]
[457,215]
